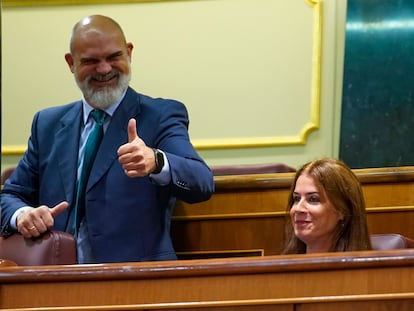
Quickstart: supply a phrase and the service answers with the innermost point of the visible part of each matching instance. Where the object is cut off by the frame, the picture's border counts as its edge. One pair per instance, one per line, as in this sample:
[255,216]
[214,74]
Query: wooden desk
[246,215]
[336,281]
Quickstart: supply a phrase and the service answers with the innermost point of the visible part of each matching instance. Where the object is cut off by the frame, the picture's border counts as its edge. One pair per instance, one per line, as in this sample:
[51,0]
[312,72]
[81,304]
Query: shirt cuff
[164,177]
[16,214]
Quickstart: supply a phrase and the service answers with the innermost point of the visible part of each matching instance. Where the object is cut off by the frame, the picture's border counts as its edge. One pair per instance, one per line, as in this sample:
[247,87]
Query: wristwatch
[159,161]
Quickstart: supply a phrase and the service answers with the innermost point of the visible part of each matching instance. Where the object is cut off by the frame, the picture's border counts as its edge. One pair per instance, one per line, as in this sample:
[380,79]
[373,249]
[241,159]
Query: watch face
[159,161]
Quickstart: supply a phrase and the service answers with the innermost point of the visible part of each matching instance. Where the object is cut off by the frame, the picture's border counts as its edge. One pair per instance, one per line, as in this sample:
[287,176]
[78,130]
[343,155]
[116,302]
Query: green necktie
[91,147]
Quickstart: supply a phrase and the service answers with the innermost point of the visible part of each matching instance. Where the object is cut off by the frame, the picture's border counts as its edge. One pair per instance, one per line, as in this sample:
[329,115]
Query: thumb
[132,130]
[62,206]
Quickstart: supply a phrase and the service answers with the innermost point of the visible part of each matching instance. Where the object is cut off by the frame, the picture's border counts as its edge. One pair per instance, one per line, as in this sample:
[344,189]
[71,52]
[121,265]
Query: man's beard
[106,96]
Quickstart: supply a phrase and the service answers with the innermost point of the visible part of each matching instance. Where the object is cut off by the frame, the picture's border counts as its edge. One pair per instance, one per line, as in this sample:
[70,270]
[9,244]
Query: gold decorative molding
[16,150]
[310,126]
[300,138]
[28,3]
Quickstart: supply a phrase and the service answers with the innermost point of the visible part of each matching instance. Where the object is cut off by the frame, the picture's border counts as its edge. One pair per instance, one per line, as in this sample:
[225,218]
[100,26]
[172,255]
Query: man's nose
[103,67]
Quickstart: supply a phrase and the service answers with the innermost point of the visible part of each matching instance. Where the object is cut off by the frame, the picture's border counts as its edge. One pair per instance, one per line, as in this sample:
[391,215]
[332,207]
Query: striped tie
[91,148]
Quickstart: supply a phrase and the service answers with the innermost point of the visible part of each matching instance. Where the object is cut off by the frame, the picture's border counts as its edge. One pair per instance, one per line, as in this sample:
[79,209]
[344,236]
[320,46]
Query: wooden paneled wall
[368,281]
[246,215]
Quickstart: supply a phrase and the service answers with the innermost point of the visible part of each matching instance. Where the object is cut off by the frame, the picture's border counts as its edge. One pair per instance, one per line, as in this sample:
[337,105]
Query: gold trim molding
[314,122]
[244,302]
[16,150]
[227,143]
[28,3]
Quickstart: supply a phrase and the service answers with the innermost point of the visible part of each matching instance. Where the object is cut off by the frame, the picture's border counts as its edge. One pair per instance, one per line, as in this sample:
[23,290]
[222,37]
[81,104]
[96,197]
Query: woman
[327,210]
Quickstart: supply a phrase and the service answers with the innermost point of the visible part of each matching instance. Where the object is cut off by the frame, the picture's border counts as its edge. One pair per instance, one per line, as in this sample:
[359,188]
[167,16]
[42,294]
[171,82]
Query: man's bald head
[100,59]
[97,24]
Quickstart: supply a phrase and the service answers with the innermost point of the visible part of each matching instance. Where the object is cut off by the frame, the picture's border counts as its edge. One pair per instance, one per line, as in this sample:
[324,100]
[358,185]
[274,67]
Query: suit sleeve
[191,178]
[20,189]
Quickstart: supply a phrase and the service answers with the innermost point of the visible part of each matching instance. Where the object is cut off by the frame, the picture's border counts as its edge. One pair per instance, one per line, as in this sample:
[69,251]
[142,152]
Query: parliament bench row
[59,248]
[246,215]
[369,281]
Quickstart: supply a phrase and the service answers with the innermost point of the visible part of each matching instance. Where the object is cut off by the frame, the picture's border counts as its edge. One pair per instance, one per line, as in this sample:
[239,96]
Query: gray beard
[104,97]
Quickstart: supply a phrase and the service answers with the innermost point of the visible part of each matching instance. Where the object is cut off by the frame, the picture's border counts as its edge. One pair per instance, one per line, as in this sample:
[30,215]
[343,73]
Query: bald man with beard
[144,163]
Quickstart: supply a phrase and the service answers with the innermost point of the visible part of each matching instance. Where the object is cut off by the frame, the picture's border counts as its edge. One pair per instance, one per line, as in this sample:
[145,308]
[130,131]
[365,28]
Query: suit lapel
[115,136]
[67,139]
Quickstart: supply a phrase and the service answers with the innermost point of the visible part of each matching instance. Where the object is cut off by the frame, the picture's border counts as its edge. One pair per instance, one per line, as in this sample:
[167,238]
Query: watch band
[159,161]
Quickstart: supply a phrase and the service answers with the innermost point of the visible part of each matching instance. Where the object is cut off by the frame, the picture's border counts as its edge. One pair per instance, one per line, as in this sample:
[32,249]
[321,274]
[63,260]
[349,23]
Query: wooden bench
[246,215]
[369,281]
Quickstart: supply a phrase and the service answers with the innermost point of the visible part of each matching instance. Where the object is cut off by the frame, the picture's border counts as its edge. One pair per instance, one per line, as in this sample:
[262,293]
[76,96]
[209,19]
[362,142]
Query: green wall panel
[377,120]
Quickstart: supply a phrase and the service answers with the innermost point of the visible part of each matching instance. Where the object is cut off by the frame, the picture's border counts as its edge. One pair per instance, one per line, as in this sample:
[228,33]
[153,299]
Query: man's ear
[69,61]
[130,47]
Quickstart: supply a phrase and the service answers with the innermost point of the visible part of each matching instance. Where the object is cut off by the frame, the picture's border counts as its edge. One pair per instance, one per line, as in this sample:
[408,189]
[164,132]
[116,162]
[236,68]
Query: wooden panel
[247,212]
[393,305]
[392,222]
[389,194]
[230,234]
[294,282]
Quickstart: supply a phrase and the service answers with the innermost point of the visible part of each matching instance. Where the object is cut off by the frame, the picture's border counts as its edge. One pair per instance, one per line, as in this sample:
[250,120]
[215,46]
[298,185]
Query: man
[144,161]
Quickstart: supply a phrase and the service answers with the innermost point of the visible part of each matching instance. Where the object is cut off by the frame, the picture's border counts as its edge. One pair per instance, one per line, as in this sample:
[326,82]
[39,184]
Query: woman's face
[313,216]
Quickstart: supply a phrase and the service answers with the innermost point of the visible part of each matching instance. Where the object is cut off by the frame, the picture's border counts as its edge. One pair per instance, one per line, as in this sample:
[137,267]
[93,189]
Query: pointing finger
[59,208]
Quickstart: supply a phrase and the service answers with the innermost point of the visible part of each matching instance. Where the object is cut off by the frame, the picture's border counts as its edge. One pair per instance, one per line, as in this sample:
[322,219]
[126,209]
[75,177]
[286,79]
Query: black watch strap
[159,161]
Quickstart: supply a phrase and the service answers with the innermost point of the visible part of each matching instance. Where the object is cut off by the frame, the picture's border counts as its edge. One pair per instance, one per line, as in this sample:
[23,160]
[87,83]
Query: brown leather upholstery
[390,241]
[52,248]
[6,174]
[244,169]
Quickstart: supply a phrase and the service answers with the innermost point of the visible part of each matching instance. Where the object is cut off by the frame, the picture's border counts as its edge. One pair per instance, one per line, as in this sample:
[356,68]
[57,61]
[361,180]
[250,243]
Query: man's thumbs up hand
[135,157]
[132,130]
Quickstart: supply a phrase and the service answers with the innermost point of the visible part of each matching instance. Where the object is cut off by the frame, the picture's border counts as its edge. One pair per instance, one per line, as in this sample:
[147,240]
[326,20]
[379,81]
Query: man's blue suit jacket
[128,218]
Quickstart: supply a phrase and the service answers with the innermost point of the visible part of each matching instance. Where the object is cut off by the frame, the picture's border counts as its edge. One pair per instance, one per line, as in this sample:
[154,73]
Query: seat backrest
[52,248]
[386,241]
[6,174]
[244,169]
